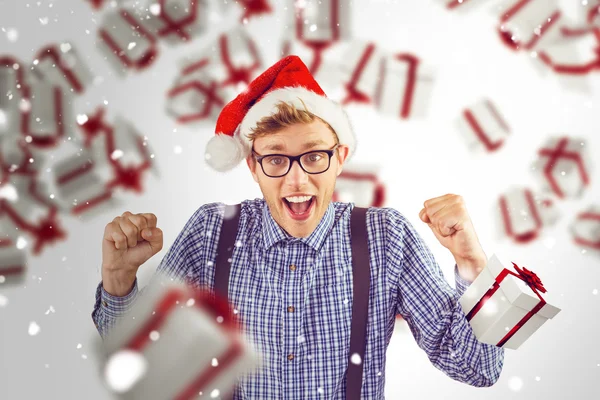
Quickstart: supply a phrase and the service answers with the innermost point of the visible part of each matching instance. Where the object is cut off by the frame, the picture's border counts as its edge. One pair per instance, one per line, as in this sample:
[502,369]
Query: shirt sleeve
[431,308]
[108,309]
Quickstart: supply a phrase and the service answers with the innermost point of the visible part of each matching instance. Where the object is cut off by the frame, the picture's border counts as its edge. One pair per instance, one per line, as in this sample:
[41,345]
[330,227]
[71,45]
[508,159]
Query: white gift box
[530,24]
[521,214]
[12,263]
[483,127]
[586,228]
[196,96]
[361,65]
[359,183]
[18,157]
[63,66]
[188,344]
[80,189]
[119,152]
[233,59]
[405,86]
[12,77]
[563,166]
[125,42]
[503,309]
[46,114]
[320,21]
[176,20]
[33,212]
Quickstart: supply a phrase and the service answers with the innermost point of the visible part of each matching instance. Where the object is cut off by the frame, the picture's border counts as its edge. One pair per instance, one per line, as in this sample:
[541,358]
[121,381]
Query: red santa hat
[288,80]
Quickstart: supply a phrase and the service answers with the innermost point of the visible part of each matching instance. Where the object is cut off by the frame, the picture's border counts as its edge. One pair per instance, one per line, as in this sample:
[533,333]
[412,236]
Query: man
[291,268]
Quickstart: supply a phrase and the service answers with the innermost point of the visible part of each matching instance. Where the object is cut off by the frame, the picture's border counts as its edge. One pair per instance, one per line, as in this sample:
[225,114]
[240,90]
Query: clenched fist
[449,220]
[128,242]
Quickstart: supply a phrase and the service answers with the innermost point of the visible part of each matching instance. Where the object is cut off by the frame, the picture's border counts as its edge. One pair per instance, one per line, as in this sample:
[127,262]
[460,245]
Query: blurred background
[106,107]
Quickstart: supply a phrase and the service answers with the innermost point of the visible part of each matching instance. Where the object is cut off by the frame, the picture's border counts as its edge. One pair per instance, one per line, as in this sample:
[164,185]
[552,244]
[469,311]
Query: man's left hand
[449,220]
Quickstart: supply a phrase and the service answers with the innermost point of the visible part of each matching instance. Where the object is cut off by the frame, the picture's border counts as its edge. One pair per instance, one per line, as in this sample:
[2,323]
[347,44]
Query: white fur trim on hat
[321,106]
[225,152]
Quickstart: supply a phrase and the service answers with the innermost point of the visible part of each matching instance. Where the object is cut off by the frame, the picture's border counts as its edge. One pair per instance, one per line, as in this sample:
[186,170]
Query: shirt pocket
[327,317]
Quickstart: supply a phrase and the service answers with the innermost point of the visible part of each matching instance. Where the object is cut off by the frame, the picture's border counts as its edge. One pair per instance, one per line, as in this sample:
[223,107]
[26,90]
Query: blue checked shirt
[305,348]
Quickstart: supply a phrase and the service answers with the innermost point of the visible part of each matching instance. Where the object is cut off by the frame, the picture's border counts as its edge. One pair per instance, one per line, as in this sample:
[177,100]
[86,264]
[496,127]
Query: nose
[296,176]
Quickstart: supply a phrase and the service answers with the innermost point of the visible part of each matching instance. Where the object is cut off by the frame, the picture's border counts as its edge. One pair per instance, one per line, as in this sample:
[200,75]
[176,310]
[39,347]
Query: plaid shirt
[294,298]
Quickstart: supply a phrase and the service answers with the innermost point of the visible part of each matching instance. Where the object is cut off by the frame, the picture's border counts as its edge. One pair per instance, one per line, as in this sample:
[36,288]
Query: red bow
[530,278]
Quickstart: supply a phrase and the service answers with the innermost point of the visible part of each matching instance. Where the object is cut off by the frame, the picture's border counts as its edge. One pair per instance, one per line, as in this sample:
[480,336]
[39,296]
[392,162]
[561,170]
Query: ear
[252,166]
[343,152]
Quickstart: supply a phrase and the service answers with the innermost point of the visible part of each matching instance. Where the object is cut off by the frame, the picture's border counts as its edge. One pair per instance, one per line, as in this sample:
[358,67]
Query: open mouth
[300,207]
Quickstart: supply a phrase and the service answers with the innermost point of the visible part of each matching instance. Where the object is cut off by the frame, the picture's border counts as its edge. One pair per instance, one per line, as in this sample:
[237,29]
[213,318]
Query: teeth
[298,199]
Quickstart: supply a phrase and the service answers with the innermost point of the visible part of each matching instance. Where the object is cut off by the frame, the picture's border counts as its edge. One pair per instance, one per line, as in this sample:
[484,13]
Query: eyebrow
[306,146]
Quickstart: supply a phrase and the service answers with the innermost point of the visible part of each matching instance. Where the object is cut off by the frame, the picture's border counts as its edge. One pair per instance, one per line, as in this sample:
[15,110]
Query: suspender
[361,282]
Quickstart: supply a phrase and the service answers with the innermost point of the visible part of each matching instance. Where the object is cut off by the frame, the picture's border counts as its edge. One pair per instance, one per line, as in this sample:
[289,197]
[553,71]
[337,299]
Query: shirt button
[291,309]
[105,304]
[290,357]
[292,267]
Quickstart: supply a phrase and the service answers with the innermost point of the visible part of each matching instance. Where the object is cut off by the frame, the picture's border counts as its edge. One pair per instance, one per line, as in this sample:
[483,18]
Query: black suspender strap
[225,249]
[361,283]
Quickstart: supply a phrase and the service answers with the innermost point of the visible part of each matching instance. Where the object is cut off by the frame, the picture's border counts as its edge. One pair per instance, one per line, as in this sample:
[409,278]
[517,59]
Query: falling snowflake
[3,299]
[34,328]
[154,336]
[356,359]
[124,369]
[515,383]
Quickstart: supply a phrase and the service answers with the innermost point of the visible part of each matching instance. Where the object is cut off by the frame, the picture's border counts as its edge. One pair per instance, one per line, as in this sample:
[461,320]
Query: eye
[315,157]
[276,160]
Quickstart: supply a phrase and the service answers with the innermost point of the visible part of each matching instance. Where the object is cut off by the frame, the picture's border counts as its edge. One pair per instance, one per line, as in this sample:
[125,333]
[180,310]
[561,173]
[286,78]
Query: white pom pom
[224,152]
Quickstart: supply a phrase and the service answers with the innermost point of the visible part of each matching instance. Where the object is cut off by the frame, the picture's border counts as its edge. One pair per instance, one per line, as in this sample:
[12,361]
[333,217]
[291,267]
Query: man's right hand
[128,242]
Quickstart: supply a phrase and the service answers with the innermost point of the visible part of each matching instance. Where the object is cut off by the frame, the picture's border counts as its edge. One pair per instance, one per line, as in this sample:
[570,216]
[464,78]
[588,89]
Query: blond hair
[286,115]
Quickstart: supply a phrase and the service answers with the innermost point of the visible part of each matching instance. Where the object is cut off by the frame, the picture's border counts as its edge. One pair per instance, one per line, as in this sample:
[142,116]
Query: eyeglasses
[312,162]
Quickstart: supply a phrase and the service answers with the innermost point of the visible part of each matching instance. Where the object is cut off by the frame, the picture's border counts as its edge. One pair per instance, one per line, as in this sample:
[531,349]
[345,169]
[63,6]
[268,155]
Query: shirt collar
[273,233]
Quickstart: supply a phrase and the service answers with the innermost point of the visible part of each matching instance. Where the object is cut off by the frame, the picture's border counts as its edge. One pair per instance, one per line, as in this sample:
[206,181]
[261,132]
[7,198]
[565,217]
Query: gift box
[585,230]
[530,24]
[316,22]
[189,341]
[11,77]
[504,305]
[176,21]
[359,183]
[18,157]
[483,127]
[125,42]
[361,66]
[12,263]
[521,214]
[232,60]
[81,190]
[196,96]
[62,65]
[575,53]
[404,87]
[563,166]
[32,212]
[46,114]
[120,153]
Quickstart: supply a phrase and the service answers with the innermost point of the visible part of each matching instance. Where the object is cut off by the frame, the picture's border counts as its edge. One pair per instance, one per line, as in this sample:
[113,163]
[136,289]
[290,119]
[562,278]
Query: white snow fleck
[515,383]
[124,369]
[34,328]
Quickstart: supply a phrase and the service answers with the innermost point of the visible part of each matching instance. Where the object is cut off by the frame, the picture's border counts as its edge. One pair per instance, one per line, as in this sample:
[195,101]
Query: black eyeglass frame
[329,152]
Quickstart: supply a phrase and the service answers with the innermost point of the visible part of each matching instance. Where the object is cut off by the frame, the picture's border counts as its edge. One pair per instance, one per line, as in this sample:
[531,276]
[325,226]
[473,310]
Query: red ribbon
[531,279]
[529,235]
[353,93]
[589,215]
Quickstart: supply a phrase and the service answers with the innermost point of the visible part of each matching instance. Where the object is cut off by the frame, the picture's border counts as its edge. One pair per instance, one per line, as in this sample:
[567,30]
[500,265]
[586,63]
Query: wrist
[470,268]
[118,284]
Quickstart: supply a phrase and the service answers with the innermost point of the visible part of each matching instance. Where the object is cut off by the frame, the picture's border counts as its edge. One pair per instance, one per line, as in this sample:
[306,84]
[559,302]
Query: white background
[419,160]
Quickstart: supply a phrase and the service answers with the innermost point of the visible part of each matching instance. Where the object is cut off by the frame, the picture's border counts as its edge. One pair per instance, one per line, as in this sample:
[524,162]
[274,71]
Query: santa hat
[288,80]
